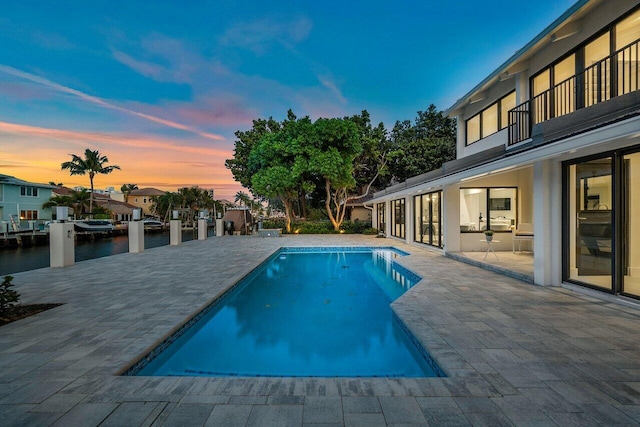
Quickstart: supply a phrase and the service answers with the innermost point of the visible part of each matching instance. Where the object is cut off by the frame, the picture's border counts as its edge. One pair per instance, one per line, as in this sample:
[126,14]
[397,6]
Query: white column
[451,218]
[61,244]
[136,236]
[219,227]
[547,223]
[175,232]
[202,229]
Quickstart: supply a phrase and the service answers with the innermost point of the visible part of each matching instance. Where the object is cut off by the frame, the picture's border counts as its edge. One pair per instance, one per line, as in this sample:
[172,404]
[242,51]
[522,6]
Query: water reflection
[320,314]
[14,260]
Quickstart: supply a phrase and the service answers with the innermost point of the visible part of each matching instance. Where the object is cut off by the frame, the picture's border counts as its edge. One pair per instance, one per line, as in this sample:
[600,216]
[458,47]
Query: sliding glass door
[590,234]
[631,224]
[602,237]
[428,226]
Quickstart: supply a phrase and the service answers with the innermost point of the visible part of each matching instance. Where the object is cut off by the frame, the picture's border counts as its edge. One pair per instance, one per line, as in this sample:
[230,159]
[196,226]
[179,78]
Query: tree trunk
[337,197]
[91,195]
[288,208]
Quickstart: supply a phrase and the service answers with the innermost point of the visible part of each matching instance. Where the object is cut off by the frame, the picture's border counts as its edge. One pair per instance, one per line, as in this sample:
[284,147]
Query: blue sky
[160,87]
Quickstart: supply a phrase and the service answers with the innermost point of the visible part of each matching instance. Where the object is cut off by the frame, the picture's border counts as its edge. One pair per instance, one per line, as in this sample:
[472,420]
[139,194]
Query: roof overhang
[564,26]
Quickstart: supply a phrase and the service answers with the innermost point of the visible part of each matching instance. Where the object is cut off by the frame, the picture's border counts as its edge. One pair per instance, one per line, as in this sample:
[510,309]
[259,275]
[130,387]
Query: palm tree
[92,164]
[243,198]
[58,201]
[127,189]
[79,200]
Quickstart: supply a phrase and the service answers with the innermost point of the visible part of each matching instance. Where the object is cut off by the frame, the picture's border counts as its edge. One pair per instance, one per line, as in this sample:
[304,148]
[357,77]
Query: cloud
[164,59]
[130,141]
[259,35]
[329,84]
[102,103]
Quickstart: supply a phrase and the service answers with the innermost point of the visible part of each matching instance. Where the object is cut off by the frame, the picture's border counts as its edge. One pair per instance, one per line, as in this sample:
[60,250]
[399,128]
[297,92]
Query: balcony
[613,77]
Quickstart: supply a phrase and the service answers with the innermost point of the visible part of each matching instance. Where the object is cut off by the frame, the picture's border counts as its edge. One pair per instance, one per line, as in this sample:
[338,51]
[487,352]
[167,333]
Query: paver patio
[514,353]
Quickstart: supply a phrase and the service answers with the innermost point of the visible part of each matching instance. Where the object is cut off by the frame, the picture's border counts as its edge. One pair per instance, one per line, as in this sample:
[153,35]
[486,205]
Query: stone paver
[513,353]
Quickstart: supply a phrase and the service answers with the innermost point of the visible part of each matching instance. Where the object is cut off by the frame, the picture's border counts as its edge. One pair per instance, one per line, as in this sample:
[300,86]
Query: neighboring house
[141,198]
[120,211]
[357,210]
[551,138]
[23,200]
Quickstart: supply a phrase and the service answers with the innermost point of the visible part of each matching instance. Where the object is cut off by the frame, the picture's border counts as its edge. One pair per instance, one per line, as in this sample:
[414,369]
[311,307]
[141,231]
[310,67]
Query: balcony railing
[613,76]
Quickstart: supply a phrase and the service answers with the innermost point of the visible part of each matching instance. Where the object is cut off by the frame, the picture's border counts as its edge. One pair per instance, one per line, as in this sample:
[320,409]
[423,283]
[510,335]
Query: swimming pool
[321,312]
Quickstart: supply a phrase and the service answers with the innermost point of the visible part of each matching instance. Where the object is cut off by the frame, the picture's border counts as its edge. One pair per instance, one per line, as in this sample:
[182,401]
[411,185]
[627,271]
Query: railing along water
[613,76]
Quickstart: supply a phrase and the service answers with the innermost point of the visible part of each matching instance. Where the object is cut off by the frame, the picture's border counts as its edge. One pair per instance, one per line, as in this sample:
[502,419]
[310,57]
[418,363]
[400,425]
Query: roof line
[567,14]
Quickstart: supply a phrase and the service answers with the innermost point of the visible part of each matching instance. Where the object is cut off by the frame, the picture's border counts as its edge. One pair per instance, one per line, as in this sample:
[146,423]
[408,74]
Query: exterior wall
[597,17]
[142,201]
[359,213]
[12,202]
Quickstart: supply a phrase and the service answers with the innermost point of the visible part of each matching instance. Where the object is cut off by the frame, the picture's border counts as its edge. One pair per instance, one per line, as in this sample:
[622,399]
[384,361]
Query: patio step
[528,278]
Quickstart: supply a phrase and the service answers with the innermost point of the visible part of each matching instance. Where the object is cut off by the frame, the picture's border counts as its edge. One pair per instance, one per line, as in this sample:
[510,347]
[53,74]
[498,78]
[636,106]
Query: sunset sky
[160,87]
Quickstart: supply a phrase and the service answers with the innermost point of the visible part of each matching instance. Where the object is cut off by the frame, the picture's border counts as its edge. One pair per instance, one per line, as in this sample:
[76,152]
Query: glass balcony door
[631,227]
[591,223]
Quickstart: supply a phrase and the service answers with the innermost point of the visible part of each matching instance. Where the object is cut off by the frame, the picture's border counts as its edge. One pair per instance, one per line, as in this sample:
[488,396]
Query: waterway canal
[14,260]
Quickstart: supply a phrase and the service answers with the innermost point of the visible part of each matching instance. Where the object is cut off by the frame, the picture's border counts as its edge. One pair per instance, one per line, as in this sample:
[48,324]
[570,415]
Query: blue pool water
[303,313]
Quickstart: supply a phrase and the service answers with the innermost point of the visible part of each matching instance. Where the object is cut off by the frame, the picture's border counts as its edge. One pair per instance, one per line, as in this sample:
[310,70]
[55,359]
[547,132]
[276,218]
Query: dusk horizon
[161,89]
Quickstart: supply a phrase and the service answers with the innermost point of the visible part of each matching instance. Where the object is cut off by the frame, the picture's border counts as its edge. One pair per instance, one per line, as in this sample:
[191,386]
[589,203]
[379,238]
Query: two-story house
[550,142]
[141,198]
[21,201]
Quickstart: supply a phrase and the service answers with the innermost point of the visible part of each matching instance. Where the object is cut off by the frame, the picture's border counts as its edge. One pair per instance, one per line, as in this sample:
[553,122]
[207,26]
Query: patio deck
[514,353]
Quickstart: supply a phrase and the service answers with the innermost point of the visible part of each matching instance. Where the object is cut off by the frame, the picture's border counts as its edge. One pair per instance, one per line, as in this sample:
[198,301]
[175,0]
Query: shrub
[8,297]
[354,227]
[370,231]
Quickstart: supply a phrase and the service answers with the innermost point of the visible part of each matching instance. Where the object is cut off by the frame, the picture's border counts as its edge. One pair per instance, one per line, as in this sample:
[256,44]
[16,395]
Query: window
[380,207]
[627,32]
[506,104]
[428,223]
[608,71]
[29,191]
[490,120]
[487,209]
[596,87]
[473,129]
[563,92]
[144,200]
[29,215]
[397,218]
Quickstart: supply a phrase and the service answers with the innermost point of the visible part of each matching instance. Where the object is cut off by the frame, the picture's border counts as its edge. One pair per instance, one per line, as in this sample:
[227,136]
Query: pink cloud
[139,141]
[100,102]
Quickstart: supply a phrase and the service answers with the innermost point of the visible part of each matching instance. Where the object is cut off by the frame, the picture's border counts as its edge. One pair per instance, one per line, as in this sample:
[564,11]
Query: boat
[152,224]
[93,225]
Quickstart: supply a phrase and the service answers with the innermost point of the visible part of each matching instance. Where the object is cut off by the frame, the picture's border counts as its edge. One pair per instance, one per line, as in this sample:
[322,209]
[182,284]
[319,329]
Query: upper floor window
[558,90]
[490,120]
[29,191]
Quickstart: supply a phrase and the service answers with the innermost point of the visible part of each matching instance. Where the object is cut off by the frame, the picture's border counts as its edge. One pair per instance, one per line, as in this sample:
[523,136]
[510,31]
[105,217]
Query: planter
[489,238]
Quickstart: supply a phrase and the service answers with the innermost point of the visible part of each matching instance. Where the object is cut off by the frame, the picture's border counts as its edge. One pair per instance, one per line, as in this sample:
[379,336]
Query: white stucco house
[549,142]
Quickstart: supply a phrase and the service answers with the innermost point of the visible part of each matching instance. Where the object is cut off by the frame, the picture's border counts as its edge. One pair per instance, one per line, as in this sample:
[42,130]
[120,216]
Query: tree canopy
[423,145]
[323,162]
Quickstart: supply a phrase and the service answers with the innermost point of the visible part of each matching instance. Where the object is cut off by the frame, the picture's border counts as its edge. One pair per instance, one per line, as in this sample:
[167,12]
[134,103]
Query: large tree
[331,153]
[370,167]
[93,163]
[279,165]
[245,142]
[423,145]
